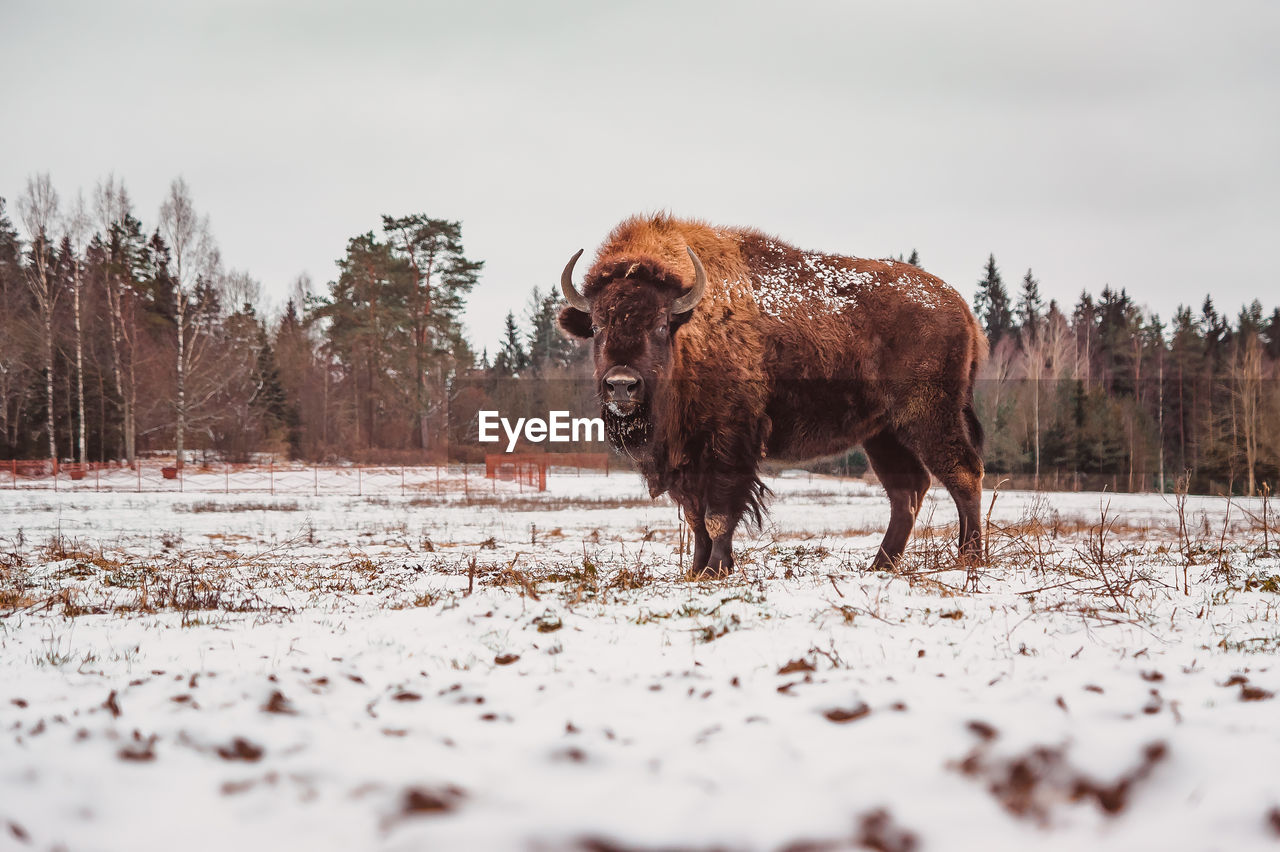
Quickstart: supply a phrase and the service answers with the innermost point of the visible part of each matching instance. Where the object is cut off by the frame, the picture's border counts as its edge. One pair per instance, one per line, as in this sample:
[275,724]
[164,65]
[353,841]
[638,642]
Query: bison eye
[661,331]
[595,329]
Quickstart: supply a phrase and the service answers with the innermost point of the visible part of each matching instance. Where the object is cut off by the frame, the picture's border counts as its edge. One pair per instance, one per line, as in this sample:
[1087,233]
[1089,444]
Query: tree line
[1106,388]
[121,337]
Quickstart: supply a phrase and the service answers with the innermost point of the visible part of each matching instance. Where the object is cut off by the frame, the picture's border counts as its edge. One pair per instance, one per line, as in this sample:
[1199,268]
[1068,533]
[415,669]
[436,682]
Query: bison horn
[686,302]
[571,294]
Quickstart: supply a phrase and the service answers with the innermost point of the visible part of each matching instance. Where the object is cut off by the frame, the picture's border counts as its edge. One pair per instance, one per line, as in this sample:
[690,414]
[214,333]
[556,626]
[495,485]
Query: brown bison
[716,347]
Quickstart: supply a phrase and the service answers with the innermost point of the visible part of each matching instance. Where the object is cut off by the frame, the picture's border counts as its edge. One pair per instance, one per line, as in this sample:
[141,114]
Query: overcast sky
[1130,143]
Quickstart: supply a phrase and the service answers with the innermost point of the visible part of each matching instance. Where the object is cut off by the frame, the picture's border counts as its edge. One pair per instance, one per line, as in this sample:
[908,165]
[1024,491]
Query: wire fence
[524,472]
[517,471]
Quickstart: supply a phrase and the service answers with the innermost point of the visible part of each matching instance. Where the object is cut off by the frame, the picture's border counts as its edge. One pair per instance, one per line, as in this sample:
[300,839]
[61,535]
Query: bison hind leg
[951,455]
[905,479]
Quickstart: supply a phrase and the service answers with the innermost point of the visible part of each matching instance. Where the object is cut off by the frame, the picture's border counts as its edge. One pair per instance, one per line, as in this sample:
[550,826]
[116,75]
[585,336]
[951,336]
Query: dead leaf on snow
[841,715]
[240,749]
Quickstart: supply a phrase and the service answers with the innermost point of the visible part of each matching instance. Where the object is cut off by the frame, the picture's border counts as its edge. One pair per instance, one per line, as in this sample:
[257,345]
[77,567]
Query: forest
[122,337]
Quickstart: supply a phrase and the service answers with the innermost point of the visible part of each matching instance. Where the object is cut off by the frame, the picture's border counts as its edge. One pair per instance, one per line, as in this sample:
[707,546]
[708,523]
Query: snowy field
[517,670]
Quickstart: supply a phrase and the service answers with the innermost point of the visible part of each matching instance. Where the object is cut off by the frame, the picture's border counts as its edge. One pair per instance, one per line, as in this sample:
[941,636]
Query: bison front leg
[712,512]
[728,495]
[720,527]
[693,516]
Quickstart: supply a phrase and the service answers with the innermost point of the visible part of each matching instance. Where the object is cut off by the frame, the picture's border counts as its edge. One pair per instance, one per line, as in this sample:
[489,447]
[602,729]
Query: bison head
[632,314]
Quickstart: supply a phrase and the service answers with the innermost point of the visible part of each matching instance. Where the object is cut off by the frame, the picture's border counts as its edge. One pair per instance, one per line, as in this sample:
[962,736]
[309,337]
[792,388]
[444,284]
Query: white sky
[1130,143]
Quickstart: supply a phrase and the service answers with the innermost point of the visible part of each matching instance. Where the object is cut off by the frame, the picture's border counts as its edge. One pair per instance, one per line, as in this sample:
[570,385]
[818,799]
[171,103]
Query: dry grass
[1109,564]
[202,506]
[515,503]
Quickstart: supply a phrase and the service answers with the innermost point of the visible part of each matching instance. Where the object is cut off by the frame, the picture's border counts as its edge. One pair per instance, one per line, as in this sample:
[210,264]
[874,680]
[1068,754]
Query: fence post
[97,478]
[182,482]
[13,467]
[226,473]
[359,482]
[271,472]
[137,465]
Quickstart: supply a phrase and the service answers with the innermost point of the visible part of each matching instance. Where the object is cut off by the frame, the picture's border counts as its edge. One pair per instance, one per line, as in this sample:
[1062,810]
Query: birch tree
[77,231]
[1246,381]
[194,258]
[38,209]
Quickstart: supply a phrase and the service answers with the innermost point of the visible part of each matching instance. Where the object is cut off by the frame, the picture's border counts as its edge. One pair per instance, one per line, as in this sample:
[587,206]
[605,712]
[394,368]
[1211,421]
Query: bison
[715,348]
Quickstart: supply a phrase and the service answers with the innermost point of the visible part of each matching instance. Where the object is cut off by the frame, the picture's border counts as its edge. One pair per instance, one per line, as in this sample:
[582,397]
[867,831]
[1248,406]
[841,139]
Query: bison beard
[629,434]
[716,347]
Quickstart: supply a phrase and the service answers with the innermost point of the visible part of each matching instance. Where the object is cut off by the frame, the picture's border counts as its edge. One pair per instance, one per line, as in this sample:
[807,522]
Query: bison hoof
[884,563]
[710,572]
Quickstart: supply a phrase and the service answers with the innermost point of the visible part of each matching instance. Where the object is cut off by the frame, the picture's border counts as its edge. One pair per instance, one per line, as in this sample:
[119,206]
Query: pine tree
[991,304]
[1250,322]
[118,271]
[1030,307]
[441,277]
[365,321]
[548,347]
[1214,330]
[10,252]
[270,398]
[914,259]
[1271,335]
[511,358]
[392,320]
[17,362]
[1119,324]
[301,379]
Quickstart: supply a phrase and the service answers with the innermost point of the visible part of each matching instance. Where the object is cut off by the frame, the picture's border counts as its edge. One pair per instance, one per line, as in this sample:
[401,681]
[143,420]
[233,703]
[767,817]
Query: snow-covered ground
[511,670]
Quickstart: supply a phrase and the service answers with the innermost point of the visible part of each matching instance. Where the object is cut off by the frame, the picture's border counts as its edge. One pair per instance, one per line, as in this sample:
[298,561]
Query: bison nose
[623,388]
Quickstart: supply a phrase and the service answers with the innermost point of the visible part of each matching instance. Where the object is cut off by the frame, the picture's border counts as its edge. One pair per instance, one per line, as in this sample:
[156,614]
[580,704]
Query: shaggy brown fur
[789,354]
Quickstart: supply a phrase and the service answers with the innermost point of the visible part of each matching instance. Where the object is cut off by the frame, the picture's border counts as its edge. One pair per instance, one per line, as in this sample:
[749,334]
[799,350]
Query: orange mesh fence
[524,469]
